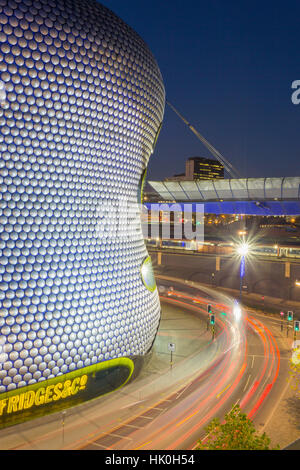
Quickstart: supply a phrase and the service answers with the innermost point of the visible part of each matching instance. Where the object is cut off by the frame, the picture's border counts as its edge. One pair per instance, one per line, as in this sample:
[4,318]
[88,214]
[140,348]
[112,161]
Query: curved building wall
[81,104]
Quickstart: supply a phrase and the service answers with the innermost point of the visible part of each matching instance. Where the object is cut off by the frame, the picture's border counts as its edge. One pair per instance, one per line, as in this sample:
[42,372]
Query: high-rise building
[199,168]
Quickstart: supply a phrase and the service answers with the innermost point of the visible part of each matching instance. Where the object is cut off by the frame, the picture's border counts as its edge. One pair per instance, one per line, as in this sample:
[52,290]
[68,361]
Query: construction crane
[227,165]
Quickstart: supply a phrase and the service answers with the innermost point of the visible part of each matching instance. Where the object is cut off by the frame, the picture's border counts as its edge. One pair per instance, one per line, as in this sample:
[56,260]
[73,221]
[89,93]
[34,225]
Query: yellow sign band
[57,388]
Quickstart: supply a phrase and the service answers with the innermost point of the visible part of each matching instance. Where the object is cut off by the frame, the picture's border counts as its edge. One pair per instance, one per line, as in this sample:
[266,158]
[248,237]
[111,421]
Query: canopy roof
[257,189]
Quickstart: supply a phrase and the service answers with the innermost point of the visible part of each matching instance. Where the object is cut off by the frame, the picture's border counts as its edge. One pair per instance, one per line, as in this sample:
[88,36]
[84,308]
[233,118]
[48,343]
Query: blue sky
[228,67]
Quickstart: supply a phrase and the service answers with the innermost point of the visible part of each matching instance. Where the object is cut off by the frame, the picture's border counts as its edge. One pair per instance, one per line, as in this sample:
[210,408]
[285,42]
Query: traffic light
[212,319]
[209,310]
[297,325]
[290,316]
[282,314]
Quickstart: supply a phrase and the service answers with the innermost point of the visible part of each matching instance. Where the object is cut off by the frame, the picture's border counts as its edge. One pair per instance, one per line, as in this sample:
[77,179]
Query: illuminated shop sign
[42,395]
[64,391]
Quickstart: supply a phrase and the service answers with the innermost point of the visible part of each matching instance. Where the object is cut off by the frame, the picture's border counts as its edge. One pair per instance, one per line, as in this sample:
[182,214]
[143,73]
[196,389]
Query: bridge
[248,196]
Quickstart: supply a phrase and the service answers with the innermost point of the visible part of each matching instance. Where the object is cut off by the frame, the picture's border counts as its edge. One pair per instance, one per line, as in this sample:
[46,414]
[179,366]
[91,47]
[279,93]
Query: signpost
[171,348]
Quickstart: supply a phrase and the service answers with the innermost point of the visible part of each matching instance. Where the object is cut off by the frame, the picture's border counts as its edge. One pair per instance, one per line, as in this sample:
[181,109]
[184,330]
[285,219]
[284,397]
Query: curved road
[241,364]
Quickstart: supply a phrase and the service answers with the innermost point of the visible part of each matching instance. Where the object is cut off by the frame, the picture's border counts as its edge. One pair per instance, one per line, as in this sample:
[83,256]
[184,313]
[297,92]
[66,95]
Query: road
[245,374]
[186,252]
[169,407]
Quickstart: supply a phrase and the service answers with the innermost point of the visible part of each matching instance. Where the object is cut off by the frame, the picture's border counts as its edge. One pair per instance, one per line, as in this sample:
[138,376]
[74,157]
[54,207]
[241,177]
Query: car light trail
[217,384]
[201,406]
[227,358]
[212,388]
[269,386]
[256,383]
[212,412]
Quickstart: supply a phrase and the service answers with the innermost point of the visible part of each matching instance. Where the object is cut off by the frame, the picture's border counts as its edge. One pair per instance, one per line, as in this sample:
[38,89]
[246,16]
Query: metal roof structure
[252,196]
[252,189]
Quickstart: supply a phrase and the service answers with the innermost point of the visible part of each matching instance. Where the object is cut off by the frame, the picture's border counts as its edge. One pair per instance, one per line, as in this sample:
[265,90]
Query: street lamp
[243,249]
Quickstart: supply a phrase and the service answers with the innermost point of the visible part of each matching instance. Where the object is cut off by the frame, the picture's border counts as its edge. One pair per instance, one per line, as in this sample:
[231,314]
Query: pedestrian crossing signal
[212,319]
[297,325]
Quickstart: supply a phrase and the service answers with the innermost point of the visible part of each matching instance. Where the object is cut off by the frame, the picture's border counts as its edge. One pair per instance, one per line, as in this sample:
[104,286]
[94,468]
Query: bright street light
[243,249]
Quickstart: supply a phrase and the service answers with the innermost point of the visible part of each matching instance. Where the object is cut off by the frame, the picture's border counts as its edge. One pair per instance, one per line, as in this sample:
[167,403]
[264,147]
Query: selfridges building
[81,105]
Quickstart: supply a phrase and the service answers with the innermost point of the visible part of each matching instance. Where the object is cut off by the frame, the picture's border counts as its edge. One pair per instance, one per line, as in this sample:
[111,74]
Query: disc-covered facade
[81,104]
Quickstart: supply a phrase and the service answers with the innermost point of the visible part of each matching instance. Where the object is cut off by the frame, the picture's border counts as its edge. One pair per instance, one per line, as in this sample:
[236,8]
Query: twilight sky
[228,67]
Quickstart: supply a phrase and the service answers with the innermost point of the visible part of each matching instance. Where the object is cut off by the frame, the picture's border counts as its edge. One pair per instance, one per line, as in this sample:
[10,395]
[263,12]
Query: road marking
[185,388]
[96,444]
[131,404]
[223,390]
[247,383]
[132,426]
[120,437]
[252,362]
[143,445]
[186,419]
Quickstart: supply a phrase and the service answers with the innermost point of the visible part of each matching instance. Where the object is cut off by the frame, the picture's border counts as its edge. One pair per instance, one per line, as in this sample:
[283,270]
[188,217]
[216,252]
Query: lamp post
[242,274]
[242,250]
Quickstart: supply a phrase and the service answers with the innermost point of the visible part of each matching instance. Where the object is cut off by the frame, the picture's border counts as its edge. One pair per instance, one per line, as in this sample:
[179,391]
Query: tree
[237,432]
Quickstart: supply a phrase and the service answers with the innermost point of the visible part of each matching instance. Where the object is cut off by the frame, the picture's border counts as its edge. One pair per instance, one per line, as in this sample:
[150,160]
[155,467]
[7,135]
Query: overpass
[249,196]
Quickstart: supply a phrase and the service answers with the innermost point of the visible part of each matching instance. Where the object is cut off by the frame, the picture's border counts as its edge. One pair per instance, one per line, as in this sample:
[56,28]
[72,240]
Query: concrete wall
[270,278]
